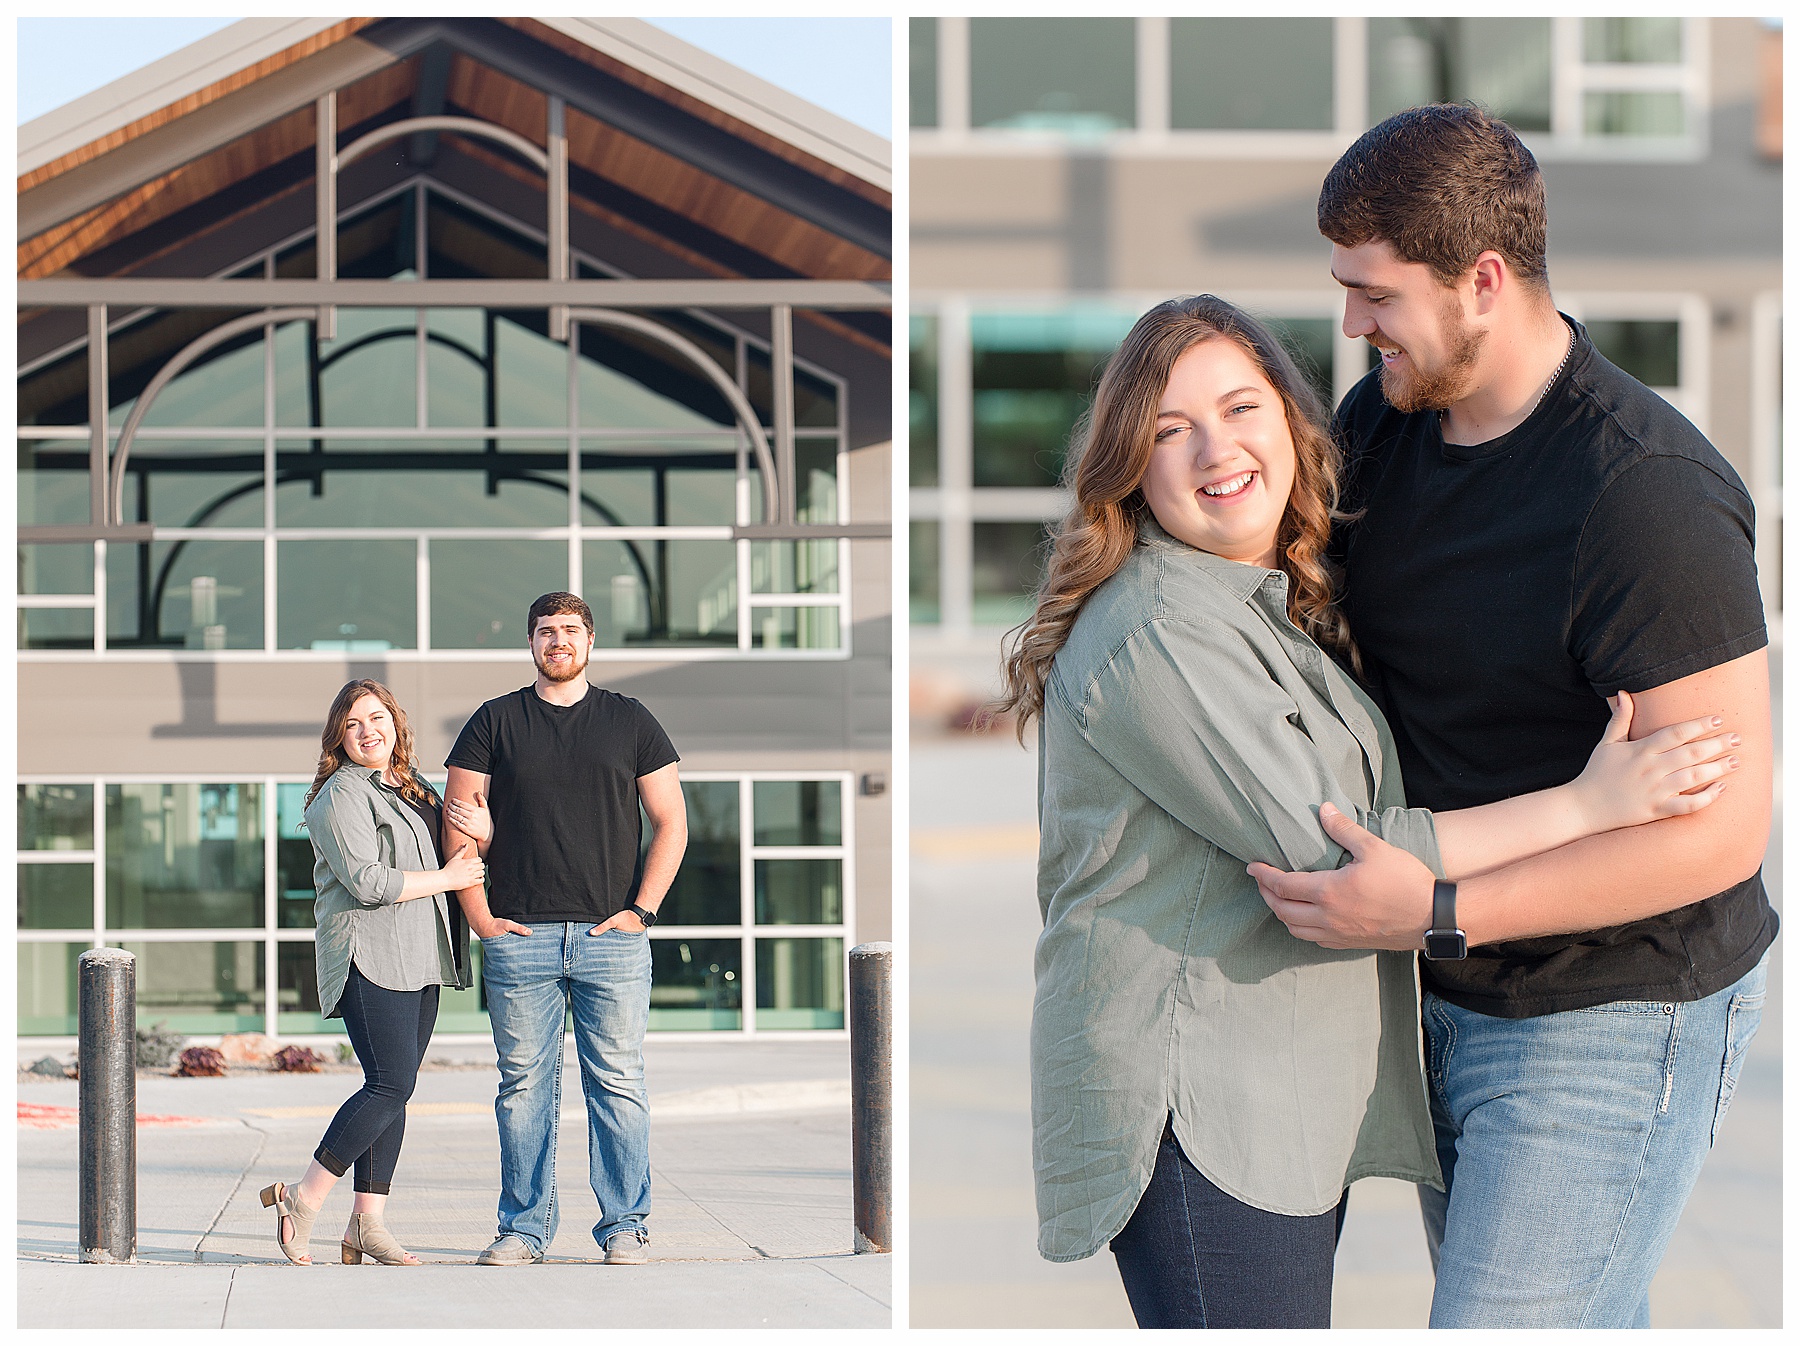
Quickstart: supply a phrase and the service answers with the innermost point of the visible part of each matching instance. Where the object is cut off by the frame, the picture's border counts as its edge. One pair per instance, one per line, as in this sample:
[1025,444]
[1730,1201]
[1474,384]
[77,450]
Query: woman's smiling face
[1223,462]
[369,733]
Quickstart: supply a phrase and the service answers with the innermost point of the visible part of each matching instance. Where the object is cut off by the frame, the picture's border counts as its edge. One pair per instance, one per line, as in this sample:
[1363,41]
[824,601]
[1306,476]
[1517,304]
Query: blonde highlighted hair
[1106,470]
[331,741]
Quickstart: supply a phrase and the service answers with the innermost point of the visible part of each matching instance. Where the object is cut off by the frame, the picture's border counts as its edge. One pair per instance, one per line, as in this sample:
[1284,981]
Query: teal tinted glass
[1251,74]
[924,571]
[794,567]
[183,857]
[56,897]
[56,817]
[351,596]
[49,988]
[1075,75]
[794,629]
[1033,376]
[56,628]
[202,483]
[629,380]
[1312,343]
[707,888]
[1648,350]
[1008,563]
[53,481]
[426,483]
[815,399]
[799,812]
[651,592]
[799,892]
[297,985]
[55,392]
[200,987]
[493,367]
[1631,41]
[294,893]
[481,589]
[922,402]
[696,984]
[195,595]
[922,84]
[1502,64]
[659,482]
[56,567]
[1633,112]
[799,983]
[222,387]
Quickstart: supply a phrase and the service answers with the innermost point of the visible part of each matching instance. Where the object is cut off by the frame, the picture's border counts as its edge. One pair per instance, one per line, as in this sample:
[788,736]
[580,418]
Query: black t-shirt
[564,799]
[1499,591]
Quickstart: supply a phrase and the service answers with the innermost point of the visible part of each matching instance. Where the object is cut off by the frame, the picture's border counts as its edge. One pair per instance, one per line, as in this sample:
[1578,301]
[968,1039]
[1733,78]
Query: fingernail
[1734,763]
[1718,720]
[1734,740]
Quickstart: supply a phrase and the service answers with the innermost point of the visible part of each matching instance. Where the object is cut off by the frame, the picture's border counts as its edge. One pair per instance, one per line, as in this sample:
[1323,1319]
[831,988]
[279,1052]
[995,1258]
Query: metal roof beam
[820,295]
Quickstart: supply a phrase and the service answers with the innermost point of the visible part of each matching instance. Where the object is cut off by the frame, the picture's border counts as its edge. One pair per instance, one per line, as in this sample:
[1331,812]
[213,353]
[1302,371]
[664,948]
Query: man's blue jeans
[1569,1144]
[532,981]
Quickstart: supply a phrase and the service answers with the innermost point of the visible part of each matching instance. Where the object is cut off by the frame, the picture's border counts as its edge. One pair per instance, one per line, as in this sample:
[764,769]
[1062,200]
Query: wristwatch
[1444,941]
[649,917]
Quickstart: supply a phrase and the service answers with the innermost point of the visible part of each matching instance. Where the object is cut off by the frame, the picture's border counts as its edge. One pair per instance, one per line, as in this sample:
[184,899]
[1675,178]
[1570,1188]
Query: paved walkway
[974,1260]
[750,1169]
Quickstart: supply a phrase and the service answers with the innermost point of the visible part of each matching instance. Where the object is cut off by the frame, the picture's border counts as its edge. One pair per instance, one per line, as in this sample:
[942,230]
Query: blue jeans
[532,982]
[1569,1144]
[1193,1256]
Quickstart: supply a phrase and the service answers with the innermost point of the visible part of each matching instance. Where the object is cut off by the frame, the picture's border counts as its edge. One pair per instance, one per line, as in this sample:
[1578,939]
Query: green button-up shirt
[1188,729]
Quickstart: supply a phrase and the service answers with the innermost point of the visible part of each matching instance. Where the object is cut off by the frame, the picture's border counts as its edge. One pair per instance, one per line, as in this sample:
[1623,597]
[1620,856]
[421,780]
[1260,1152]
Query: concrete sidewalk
[751,1223]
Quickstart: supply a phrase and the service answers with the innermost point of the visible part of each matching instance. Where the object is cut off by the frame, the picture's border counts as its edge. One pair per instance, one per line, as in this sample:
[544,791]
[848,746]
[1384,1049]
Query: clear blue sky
[840,64]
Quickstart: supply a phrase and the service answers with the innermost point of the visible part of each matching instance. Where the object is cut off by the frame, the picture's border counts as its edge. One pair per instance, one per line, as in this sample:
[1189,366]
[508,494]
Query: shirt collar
[1241,580]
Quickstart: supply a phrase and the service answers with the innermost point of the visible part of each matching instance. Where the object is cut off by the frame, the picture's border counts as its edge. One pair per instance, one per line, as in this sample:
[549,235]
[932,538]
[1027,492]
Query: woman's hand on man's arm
[465,787]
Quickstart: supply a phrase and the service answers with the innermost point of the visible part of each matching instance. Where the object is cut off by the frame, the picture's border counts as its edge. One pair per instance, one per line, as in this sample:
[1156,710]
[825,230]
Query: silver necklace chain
[1545,390]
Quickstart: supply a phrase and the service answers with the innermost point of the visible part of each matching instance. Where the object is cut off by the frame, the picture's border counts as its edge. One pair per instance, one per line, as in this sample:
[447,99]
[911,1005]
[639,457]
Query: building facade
[340,341]
[1068,173]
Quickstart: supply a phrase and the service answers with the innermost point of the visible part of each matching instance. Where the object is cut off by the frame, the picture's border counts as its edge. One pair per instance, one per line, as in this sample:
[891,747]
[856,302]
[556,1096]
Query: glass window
[799,892]
[625,380]
[297,987]
[205,483]
[56,628]
[185,595]
[922,88]
[414,483]
[56,393]
[799,812]
[183,857]
[53,481]
[815,475]
[1251,74]
[49,989]
[1649,351]
[707,888]
[56,897]
[463,1011]
[794,567]
[922,401]
[338,595]
[223,387]
[799,983]
[1033,376]
[794,629]
[696,984]
[1633,112]
[923,570]
[210,987]
[1502,64]
[815,399]
[658,483]
[56,817]
[367,375]
[1631,41]
[481,590]
[294,893]
[492,367]
[56,567]
[1008,563]
[1053,74]
[1312,343]
[657,592]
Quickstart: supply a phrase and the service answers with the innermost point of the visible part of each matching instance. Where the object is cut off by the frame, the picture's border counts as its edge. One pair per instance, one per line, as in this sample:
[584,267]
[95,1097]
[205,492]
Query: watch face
[1441,944]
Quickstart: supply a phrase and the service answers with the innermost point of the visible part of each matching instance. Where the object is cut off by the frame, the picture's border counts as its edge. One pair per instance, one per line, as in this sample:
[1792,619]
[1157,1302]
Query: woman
[1206,1086]
[382,953]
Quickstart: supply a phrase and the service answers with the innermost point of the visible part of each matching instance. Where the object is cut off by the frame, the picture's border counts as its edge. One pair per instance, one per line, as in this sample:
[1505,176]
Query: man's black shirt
[564,798]
[1499,592]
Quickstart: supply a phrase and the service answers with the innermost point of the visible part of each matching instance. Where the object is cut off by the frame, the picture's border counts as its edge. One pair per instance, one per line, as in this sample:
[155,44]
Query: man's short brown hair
[552,605]
[1440,184]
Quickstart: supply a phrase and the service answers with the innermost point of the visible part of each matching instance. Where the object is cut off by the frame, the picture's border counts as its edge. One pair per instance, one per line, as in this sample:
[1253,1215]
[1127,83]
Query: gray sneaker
[627,1247]
[509,1250]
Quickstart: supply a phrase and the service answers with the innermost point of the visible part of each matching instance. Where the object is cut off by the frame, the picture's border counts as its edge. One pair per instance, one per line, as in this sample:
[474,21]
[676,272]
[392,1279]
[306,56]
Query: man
[564,766]
[1539,530]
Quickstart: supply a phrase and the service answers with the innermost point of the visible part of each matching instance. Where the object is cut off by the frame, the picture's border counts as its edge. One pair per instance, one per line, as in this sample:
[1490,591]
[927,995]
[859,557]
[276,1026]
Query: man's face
[1429,348]
[560,645]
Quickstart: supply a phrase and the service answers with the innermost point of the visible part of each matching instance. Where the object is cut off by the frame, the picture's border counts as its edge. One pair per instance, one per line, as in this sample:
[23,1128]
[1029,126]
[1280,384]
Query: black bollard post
[108,1105]
[872,1095]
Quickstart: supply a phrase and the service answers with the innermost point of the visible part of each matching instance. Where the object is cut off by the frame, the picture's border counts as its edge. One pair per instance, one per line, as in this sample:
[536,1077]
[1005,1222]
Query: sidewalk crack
[225,1309]
[262,1139]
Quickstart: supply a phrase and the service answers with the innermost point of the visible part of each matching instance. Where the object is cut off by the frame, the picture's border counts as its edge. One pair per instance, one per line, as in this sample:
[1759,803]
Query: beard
[1443,387]
[576,666]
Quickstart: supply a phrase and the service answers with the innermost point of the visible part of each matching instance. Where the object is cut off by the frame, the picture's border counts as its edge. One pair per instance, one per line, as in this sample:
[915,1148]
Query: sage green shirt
[1188,729]
[364,839]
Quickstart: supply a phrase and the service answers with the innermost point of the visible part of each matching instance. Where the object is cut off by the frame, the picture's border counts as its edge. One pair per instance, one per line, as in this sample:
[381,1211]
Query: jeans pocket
[1440,1040]
[1741,1023]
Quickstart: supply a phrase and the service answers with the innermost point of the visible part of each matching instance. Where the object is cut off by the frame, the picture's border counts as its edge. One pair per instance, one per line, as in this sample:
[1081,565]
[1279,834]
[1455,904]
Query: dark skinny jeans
[390,1031]
[1191,1256]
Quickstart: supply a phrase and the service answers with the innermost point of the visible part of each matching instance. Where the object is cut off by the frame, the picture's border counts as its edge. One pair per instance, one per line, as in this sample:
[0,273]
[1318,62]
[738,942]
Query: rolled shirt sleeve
[345,837]
[1191,714]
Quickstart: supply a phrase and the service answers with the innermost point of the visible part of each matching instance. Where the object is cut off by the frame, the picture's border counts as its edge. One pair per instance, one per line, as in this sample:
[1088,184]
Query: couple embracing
[1314,700]
[544,790]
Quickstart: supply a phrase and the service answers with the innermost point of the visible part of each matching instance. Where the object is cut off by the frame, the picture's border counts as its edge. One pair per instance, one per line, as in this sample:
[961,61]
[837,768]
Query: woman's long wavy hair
[331,740]
[1106,469]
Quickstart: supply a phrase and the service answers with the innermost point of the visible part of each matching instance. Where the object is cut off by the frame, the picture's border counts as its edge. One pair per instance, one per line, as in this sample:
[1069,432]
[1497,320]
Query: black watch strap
[1444,941]
[645,915]
[1443,905]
